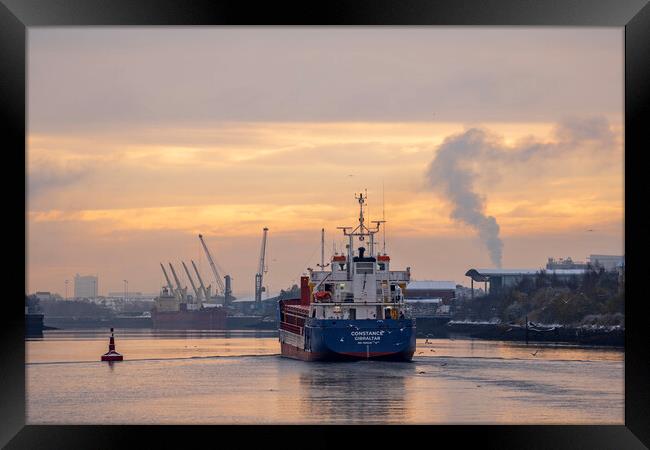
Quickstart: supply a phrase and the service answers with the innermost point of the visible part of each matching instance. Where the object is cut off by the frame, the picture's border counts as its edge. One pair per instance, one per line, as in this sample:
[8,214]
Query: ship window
[353,314]
[365,267]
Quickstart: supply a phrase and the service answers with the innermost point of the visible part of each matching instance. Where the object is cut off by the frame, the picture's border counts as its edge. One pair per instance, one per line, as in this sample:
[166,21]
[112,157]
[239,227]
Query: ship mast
[361,231]
[322,264]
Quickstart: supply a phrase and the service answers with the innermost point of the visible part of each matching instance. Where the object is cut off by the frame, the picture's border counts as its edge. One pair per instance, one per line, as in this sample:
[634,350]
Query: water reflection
[349,393]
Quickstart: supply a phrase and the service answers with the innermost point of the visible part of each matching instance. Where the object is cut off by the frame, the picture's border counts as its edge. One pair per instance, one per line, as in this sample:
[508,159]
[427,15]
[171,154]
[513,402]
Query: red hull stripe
[371,354]
[296,353]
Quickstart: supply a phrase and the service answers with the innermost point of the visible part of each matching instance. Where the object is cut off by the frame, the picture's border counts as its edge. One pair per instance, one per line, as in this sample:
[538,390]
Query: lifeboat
[322,296]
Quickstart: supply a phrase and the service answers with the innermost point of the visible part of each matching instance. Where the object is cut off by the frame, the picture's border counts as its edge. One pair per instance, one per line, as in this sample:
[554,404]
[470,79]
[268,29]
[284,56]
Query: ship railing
[290,327]
[399,275]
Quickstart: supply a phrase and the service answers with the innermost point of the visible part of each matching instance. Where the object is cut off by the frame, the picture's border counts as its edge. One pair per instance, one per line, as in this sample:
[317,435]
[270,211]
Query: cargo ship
[33,317]
[353,311]
[171,313]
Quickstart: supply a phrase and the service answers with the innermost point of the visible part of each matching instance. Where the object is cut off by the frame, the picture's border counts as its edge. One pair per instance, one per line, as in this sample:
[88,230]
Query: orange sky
[117,197]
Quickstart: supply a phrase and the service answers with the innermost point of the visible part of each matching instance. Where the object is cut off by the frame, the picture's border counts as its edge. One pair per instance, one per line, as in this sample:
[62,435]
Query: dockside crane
[215,272]
[260,272]
[181,291]
[196,291]
[169,282]
[206,292]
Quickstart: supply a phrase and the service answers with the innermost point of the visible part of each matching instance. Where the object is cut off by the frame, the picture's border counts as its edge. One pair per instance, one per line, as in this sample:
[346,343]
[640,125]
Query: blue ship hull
[340,340]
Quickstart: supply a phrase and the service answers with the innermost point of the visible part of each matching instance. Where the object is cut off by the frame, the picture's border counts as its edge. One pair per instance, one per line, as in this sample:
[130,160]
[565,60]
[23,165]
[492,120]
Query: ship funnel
[361,250]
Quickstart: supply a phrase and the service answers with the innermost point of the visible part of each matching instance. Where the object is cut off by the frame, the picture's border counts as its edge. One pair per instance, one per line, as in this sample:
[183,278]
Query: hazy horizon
[480,144]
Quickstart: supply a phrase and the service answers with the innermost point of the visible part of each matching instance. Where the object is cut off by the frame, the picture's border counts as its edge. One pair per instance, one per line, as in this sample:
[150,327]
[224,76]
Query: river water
[239,378]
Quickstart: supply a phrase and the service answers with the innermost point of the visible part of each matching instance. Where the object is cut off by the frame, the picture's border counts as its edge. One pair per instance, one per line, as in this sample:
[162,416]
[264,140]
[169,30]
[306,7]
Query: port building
[607,262]
[85,286]
[496,280]
[429,298]
[429,290]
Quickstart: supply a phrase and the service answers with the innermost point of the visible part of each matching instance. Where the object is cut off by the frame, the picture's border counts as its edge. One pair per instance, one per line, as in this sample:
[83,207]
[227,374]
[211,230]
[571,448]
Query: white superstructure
[359,284]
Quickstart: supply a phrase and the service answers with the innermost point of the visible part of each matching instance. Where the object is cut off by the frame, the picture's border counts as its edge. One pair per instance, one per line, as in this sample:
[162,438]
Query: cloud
[47,175]
[110,78]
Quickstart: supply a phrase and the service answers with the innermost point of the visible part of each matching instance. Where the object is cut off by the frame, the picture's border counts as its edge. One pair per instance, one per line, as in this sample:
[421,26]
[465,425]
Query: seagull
[341,339]
[426,341]
[422,371]
[535,354]
[419,353]
[443,364]
[432,350]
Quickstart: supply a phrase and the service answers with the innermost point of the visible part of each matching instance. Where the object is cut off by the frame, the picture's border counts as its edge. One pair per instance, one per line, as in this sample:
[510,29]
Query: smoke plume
[452,172]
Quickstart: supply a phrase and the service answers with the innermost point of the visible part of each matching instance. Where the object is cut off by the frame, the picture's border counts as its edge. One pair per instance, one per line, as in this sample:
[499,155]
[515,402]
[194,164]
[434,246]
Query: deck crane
[196,291]
[206,292]
[181,291]
[260,272]
[217,277]
[169,282]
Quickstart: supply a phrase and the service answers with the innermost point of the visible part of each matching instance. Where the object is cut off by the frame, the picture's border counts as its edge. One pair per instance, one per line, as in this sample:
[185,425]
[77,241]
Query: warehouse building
[429,298]
[443,291]
[608,262]
[496,280]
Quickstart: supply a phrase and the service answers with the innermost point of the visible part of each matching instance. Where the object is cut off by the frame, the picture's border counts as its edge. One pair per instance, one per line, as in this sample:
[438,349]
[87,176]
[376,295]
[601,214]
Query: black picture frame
[634,15]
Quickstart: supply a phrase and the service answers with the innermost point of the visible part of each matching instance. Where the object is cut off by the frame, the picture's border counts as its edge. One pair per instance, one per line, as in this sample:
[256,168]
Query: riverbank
[440,327]
[586,335]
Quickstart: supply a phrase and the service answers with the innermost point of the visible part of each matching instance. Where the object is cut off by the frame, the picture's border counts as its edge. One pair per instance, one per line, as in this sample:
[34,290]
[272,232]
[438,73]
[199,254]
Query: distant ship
[171,313]
[33,317]
[353,311]
[175,309]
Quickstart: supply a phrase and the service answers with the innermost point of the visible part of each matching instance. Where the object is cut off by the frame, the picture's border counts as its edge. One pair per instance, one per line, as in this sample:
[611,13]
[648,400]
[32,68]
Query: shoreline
[437,328]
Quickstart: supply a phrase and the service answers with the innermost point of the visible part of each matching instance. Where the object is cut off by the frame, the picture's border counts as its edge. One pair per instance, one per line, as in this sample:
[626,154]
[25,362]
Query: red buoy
[112,355]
